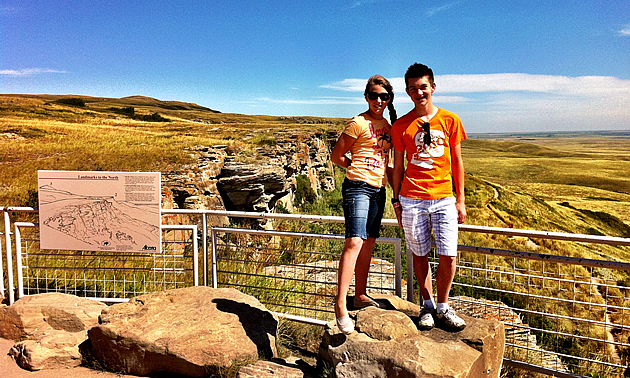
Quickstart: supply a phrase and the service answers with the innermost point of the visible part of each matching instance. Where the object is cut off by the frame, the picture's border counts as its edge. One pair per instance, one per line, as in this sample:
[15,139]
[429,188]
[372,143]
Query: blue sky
[503,66]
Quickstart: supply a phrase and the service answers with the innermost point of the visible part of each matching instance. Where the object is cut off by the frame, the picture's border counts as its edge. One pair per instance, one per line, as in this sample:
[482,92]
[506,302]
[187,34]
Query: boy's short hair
[418,70]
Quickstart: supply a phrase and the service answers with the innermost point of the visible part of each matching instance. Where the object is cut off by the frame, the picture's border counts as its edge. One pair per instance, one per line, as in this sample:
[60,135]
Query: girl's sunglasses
[373,96]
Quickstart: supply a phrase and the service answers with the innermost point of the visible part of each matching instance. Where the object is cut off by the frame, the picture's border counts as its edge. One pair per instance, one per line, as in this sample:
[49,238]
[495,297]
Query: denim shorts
[363,207]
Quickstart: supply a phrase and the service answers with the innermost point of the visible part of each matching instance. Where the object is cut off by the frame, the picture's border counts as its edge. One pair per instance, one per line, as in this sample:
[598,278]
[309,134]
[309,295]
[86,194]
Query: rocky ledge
[217,181]
[200,331]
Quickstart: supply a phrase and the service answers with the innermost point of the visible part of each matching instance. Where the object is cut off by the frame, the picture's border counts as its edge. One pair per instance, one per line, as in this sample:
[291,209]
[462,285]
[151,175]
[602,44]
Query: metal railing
[564,316]
[291,273]
[99,275]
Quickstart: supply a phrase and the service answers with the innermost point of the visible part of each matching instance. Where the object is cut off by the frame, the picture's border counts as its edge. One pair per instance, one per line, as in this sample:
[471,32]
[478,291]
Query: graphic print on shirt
[382,142]
[423,157]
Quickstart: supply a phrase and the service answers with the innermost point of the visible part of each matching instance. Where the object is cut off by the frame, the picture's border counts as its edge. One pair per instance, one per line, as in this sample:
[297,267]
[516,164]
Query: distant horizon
[522,67]
[504,133]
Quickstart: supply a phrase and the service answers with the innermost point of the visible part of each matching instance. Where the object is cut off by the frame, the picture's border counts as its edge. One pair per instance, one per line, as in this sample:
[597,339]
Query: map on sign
[99,211]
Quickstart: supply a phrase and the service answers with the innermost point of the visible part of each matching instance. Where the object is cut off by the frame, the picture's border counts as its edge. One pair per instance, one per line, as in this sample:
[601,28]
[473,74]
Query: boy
[423,192]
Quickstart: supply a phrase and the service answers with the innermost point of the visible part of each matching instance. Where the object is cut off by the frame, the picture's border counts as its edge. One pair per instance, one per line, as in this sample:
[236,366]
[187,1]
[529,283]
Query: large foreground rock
[388,344]
[35,315]
[192,331]
[53,324]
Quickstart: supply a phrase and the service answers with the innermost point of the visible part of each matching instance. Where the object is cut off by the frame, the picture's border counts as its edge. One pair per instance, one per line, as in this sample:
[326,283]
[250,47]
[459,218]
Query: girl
[367,138]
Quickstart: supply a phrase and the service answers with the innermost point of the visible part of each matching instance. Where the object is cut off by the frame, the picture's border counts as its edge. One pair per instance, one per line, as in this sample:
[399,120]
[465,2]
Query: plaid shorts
[420,217]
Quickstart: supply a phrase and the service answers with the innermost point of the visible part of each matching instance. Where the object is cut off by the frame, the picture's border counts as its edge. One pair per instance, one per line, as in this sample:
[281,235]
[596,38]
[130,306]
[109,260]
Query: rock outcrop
[199,331]
[388,344]
[277,368]
[191,331]
[53,324]
[216,181]
[252,188]
[194,186]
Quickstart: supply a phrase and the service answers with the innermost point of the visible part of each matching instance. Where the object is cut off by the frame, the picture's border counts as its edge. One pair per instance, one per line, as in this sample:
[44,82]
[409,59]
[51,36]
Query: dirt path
[612,350]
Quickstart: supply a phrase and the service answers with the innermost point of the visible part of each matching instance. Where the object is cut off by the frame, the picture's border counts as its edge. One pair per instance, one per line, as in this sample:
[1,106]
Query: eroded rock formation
[216,180]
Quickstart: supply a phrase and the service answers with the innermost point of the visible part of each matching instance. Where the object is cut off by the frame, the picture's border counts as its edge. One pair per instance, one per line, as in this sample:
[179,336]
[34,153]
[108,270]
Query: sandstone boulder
[35,315]
[388,344]
[191,331]
[52,350]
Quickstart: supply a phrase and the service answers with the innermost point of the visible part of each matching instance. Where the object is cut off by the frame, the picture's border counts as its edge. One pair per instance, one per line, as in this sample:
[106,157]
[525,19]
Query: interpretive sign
[99,211]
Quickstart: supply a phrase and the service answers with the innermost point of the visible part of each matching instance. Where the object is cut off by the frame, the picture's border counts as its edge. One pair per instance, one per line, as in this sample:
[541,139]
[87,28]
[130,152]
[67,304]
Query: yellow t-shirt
[370,152]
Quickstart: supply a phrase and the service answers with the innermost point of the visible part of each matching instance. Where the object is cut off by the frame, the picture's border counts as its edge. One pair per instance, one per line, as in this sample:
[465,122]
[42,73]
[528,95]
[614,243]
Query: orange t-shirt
[370,152]
[428,173]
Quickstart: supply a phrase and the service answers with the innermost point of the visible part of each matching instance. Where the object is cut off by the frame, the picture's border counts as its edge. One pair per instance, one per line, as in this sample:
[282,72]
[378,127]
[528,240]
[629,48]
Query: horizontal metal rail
[548,258]
[393,241]
[393,222]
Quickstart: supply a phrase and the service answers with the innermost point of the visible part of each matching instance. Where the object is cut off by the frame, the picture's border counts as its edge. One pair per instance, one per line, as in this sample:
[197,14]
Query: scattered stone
[52,350]
[277,368]
[53,324]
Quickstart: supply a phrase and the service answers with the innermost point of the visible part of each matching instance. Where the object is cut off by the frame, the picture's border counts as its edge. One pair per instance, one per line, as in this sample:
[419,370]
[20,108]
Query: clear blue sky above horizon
[502,66]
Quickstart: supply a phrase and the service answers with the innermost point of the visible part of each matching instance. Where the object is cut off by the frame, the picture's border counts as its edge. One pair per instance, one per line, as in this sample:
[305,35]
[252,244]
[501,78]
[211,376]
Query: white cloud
[359,3]
[518,82]
[29,72]
[522,102]
[508,82]
[348,85]
[432,11]
[316,101]
[625,32]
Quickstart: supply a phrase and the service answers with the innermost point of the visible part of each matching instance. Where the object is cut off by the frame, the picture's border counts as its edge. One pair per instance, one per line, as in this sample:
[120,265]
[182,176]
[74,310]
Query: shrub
[155,117]
[73,101]
[127,111]
[304,192]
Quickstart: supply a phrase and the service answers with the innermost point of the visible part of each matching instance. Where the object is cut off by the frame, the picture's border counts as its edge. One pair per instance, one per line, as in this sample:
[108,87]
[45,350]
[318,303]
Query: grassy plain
[39,132]
[590,171]
[553,182]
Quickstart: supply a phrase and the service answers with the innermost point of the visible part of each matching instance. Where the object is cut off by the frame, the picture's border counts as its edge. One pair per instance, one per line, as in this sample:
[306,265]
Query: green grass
[560,182]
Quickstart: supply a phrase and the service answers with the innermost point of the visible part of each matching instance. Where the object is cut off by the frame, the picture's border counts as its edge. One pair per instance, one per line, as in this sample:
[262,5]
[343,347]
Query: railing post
[204,232]
[398,265]
[409,275]
[1,265]
[18,256]
[195,256]
[7,235]
[215,278]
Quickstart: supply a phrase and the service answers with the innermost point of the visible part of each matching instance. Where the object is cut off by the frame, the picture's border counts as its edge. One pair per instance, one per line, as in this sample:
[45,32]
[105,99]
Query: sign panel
[99,211]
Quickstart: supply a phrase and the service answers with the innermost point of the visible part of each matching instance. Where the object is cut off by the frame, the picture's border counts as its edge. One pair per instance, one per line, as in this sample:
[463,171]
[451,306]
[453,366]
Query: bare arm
[458,177]
[338,155]
[397,177]
[389,167]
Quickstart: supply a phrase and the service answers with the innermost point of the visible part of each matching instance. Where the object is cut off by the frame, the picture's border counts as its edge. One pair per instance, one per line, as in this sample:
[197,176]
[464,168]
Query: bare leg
[363,269]
[347,263]
[423,275]
[444,277]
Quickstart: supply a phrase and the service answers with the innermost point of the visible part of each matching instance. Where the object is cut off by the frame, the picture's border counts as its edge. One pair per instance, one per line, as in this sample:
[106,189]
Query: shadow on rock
[255,322]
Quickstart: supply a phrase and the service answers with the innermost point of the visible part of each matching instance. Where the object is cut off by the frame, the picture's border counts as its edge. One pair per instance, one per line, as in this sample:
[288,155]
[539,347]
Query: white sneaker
[345,324]
[426,318]
[451,320]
